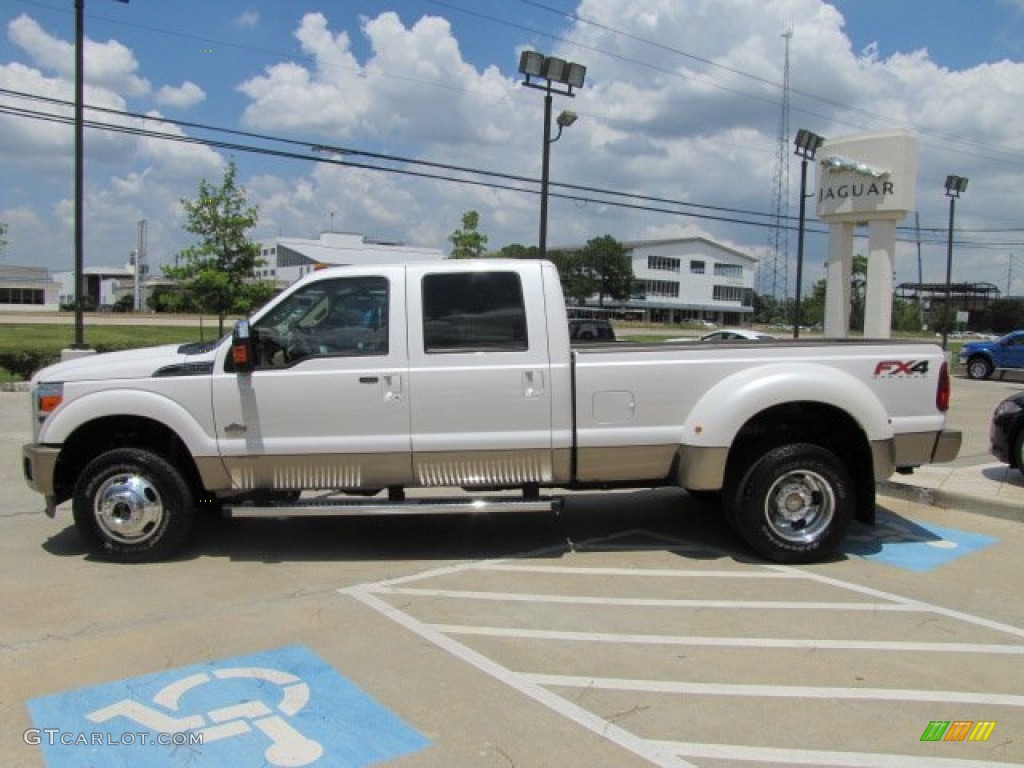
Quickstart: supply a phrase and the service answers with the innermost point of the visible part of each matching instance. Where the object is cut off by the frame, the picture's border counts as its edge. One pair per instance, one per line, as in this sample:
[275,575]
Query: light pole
[79,167]
[807,144]
[551,71]
[955,186]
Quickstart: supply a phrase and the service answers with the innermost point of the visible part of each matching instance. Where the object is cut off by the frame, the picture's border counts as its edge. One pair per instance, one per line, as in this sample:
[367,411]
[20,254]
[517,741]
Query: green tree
[1006,314]
[517,251]
[858,292]
[3,237]
[607,260]
[468,243]
[579,282]
[906,315]
[217,274]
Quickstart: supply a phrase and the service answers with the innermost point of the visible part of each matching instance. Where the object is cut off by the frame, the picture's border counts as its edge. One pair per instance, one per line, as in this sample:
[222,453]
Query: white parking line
[639,746]
[731,642]
[651,602]
[773,691]
[649,572]
[540,687]
[815,757]
[937,609]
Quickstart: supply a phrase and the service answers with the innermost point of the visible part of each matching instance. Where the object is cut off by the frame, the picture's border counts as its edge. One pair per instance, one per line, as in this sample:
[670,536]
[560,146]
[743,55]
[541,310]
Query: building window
[662,264]
[696,267]
[22,296]
[660,288]
[728,270]
[732,293]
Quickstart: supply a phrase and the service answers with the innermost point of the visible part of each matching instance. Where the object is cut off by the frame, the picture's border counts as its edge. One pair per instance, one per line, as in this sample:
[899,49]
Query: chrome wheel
[792,503]
[133,505]
[128,508]
[800,506]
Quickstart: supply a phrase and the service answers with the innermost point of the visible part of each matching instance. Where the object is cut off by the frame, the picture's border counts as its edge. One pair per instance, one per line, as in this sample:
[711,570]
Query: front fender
[724,409]
[87,407]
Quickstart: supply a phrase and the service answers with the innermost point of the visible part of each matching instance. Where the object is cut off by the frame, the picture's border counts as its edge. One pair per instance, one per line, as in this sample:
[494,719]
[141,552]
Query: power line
[353,152]
[573,192]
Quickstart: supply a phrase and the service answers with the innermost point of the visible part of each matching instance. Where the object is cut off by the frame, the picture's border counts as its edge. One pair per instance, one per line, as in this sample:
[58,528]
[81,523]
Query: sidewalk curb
[990,506]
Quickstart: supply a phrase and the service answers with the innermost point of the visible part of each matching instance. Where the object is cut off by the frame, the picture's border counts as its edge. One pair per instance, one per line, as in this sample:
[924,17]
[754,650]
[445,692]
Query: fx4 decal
[892,368]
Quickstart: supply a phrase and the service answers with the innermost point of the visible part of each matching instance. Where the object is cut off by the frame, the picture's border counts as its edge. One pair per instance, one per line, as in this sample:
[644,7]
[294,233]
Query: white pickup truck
[358,388]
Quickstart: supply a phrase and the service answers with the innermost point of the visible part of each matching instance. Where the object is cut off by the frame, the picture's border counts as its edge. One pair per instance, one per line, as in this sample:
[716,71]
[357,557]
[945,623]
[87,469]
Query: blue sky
[681,103]
[957,33]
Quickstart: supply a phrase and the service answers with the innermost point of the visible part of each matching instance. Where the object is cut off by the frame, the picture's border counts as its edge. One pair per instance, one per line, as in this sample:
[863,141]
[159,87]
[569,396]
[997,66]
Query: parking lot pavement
[631,630]
[732,662]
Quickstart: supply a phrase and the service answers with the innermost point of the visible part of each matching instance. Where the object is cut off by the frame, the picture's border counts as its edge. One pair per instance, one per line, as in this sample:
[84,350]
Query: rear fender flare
[724,409]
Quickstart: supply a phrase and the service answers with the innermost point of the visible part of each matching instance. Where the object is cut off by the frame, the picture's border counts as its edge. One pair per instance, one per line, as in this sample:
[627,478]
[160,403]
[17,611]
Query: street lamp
[955,186]
[79,166]
[807,144]
[552,71]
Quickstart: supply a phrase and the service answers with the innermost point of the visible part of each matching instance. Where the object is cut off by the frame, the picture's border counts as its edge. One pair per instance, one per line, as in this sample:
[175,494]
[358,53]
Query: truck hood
[977,346]
[165,360]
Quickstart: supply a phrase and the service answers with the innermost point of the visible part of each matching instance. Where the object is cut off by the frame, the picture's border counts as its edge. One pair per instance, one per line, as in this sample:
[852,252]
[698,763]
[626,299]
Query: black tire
[133,505]
[979,367]
[793,504]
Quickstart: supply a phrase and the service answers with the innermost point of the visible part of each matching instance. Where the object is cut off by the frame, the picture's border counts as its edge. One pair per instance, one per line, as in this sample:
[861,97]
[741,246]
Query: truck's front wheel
[133,505]
[979,367]
[793,504]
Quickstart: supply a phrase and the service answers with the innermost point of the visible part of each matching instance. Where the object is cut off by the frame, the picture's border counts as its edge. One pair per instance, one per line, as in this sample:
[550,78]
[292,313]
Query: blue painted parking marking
[913,546]
[284,707]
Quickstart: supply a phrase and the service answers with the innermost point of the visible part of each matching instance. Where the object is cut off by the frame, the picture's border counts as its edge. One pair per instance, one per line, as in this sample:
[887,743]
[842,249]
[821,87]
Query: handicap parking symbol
[910,545]
[285,707]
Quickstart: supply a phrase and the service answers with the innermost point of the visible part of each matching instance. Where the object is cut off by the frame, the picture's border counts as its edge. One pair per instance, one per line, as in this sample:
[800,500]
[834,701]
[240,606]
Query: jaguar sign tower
[864,179]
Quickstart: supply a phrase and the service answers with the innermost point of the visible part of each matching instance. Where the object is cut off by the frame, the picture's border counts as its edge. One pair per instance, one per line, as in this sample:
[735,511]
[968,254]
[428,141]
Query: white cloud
[127,177]
[666,112]
[248,19]
[183,96]
[395,93]
[110,65]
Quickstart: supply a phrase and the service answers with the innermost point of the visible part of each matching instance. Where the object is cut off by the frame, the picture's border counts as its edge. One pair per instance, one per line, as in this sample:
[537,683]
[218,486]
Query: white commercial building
[28,289]
[692,278]
[289,258]
[102,287]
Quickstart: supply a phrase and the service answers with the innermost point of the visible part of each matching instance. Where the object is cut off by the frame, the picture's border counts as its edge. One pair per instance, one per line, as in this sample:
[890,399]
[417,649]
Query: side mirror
[242,351]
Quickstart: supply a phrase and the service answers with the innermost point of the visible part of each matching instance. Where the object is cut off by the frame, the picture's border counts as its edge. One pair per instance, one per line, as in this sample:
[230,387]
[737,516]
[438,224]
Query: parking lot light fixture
[955,186]
[807,144]
[551,75]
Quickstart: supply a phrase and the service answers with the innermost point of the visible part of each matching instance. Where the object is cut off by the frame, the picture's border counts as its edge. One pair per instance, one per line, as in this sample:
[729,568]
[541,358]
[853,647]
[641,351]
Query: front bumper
[39,464]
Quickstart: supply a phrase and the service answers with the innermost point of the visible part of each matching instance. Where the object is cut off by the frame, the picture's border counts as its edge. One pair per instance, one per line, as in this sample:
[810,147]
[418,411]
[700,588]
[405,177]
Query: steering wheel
[298,344]
[291,344]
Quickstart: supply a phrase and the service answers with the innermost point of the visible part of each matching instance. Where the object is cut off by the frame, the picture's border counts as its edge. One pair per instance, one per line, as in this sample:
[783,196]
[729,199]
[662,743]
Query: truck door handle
[368,379]
[533,383]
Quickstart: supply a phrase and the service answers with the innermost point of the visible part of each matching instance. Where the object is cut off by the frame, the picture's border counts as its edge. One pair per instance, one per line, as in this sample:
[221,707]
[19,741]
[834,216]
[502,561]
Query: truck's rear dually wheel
[133,505]
[793,504]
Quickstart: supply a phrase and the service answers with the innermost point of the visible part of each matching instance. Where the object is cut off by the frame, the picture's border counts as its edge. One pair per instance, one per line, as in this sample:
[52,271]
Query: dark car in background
[585,329]
[1006,432]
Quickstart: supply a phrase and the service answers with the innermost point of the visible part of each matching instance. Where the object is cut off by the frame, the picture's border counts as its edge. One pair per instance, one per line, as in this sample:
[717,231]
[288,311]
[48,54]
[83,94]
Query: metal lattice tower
[774,276]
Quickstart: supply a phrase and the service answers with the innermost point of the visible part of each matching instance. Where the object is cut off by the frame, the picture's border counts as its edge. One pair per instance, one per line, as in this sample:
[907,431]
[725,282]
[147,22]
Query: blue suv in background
[980,358]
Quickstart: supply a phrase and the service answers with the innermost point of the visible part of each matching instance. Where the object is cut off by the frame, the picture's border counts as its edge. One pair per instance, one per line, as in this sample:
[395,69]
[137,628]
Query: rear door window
[474,311]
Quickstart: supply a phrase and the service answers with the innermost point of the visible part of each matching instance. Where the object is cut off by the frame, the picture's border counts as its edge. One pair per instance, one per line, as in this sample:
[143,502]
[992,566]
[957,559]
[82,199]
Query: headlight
[46,398]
